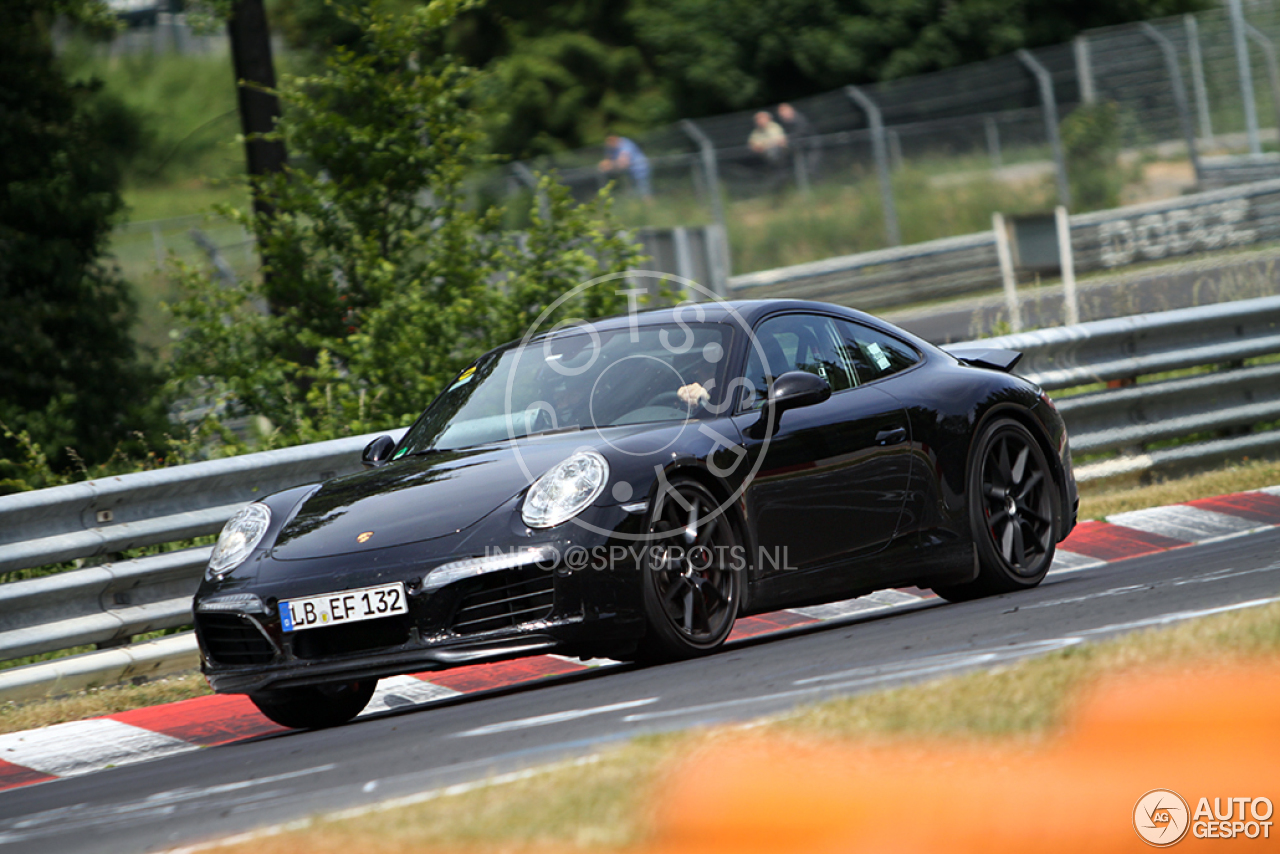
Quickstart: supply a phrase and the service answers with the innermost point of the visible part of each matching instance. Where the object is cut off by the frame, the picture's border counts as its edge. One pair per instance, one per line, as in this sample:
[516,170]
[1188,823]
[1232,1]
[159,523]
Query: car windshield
[579,378]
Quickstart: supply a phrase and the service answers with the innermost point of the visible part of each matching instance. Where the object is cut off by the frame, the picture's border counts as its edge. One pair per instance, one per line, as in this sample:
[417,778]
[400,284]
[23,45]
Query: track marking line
[553,718]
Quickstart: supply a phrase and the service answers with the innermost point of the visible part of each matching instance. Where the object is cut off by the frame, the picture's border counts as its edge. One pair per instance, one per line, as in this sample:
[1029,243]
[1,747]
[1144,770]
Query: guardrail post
[1179,91]
[718,250]
[1050,106]
[1066,260]
[1273,72]
[1006,271]
[1197,77]
[1246,75]
[880,148]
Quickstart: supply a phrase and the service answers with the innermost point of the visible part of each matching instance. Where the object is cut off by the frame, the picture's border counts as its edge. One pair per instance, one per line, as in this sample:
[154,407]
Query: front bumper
[515,611]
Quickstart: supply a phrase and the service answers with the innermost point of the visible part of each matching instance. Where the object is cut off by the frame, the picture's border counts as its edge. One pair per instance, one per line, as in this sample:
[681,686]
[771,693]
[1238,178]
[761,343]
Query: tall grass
[841,218]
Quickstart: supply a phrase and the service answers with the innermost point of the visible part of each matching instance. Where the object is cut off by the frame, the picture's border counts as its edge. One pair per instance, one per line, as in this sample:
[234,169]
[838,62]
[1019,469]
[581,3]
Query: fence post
[158,242]
[1197,77]
[800,154]
[721,254]
[993,141]
[895,150]
[525,176]
[1246,76]
[1084,68]
[1066,260]
[1179,91]
[1273,73]
[1006,271]
[1050,106]
[880,148]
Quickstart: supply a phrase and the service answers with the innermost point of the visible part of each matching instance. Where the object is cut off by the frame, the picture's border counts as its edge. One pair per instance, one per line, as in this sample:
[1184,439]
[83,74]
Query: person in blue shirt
[623,155]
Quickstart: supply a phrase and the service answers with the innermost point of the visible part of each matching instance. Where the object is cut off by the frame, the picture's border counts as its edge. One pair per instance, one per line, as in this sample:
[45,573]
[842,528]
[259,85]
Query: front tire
[1013,508]
[315,707]
[692,577]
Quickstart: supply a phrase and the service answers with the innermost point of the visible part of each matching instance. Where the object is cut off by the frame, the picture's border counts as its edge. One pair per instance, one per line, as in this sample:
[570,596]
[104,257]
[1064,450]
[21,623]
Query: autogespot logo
[691,390]
[1161,817]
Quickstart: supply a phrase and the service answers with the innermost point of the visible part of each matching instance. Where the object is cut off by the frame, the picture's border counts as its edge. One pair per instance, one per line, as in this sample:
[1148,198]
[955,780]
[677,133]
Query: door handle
[892,436]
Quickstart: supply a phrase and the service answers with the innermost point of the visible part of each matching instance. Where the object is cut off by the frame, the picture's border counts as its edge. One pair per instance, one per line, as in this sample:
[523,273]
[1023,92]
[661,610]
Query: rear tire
[316,707]
[692,581]
[1013,512]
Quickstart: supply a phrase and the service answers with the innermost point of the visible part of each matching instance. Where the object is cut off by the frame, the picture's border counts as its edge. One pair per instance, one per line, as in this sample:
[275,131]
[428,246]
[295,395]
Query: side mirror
[789,391]
[795,389]
[378,451]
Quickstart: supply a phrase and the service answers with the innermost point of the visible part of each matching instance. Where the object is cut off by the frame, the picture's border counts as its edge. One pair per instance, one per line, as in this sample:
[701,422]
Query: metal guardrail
[1103,240]
[110,603]
[1231,400]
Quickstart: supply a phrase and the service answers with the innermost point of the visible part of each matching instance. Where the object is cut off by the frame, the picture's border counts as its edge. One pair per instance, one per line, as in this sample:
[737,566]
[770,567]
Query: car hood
[417,498]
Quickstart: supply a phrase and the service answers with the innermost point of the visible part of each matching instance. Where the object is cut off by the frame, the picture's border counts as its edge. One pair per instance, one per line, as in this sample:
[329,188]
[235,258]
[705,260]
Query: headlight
[565,491]
[239,537]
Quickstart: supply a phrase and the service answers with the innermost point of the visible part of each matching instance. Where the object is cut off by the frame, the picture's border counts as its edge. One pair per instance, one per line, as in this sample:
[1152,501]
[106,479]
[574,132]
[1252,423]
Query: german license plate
[349,606]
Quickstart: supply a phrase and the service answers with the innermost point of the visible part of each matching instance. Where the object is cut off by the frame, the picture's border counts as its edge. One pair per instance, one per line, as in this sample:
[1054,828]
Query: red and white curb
[84,747]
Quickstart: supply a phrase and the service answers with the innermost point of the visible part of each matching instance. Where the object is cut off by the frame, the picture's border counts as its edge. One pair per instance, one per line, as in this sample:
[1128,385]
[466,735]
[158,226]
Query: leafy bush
[380,281]
[1091,143]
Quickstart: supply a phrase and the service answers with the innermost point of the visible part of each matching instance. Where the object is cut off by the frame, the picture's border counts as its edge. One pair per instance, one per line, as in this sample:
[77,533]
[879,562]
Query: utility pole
[259,109]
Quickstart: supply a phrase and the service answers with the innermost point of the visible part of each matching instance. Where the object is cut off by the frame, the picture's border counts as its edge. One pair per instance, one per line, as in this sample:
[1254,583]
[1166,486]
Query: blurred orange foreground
[1203,733]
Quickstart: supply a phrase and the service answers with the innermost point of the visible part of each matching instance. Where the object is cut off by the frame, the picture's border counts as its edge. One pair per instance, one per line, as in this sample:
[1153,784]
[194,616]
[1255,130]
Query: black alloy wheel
[315,707]
[1013,501]
[692,573]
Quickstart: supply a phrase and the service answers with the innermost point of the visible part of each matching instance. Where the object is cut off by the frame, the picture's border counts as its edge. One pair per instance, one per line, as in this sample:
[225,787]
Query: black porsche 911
[627,489]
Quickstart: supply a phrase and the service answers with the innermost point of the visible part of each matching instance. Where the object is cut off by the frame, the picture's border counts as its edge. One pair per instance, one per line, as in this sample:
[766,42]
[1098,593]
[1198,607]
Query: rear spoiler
[986,357]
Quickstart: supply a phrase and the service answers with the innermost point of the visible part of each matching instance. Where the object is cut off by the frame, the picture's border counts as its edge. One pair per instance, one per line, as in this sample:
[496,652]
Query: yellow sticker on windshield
[464,377]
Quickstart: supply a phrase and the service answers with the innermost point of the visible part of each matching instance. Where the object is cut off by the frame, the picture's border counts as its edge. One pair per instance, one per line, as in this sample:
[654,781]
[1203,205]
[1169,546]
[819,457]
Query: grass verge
[1100,500]
[605,804]
[100,701]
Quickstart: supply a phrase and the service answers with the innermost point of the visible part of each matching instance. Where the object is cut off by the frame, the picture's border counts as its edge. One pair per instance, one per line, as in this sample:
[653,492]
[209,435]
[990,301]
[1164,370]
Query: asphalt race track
[226,790]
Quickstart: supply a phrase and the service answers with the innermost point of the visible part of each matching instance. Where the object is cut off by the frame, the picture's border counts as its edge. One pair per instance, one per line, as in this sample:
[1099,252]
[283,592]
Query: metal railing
[1223,406]
[1104,240]
[109,603]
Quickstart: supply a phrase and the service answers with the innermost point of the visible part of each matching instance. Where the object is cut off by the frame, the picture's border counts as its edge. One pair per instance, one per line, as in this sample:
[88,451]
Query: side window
[793,342]
[872,354]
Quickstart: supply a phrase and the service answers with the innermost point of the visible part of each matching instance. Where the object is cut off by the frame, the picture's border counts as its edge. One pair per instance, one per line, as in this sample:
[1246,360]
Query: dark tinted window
[793,342]
[872,354]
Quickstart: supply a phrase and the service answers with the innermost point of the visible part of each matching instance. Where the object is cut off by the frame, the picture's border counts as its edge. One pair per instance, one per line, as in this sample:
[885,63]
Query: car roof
[747,311]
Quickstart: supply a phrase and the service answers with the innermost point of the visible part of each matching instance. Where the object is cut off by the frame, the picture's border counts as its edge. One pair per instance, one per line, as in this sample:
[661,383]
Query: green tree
[568,69]
[70,374]
[384,281]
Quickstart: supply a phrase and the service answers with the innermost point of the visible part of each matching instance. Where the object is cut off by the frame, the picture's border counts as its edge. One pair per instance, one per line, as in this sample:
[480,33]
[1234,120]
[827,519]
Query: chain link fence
[934,155]
[1196,97]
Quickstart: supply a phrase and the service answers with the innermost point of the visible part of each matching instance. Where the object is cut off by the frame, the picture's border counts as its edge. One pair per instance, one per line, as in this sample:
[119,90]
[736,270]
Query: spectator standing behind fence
[798,130]
[768,142]
[623,155]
